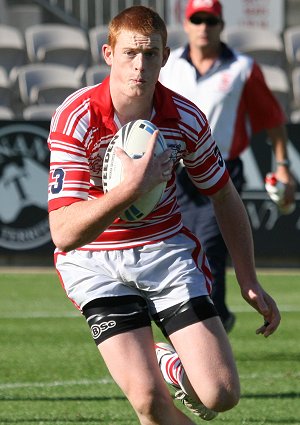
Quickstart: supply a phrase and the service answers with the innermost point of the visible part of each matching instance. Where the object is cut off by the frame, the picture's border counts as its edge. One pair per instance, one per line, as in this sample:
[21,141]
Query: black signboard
[24,165]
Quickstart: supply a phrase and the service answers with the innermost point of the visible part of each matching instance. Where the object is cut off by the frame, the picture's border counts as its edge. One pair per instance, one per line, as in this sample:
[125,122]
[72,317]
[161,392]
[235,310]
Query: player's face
[136,62]
[203,30]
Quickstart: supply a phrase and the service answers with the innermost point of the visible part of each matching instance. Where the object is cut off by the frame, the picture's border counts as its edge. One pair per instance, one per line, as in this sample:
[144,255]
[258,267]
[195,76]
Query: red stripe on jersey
[81,157]
[55,204]
[56,254]
[199,254]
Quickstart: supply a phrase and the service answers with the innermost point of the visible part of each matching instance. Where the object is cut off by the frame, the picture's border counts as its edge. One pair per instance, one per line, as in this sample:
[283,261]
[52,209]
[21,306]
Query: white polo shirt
[232,94]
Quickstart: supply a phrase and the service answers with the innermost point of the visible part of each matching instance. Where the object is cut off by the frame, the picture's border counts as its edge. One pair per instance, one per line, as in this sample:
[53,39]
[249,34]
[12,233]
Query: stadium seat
[57,43]
[278,82]
[46,83]
[291,38]
[96,74]
[39,112]
[97,37]
[296,86]
[6,93]
[6,113]
[295,116]
[12,48]
[176,37]
[265,46]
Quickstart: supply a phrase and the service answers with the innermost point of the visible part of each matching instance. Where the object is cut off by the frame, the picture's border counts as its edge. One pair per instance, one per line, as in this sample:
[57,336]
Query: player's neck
[130,112]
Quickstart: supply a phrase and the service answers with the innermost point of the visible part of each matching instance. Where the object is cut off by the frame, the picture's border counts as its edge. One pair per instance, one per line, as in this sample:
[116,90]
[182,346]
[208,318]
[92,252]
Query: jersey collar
[163,104]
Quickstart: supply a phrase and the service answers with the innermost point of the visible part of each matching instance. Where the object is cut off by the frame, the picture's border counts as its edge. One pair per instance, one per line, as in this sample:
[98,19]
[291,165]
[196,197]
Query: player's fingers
[271,321]
[151,144]
[121,154]
[164,157]
[262,329]
[268,328]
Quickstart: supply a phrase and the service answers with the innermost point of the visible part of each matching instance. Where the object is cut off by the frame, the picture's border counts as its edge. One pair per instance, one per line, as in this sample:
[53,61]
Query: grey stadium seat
[296,86]
[57,43]
[278,82]
[295,116]
[39,112]
[265,46]
[6,113]
[96,74]
[97,37]
[6,93]
[291,38]
[176,37]
[46,83]
[12,48]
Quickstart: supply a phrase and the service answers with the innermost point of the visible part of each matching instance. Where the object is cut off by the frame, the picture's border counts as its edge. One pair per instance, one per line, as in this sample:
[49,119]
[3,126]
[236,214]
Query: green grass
[51,372]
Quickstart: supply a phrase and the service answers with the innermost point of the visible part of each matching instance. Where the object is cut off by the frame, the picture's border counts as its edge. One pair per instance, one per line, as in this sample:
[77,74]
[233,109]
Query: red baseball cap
[209,6]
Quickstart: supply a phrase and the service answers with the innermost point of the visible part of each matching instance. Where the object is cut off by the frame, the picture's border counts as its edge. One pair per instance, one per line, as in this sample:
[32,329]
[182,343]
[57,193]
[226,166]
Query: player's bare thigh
[130,357]
[131,360]
[207,358]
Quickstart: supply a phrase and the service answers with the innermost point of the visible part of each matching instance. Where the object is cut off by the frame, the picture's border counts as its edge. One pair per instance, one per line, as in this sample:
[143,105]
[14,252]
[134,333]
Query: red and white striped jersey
[233,95]
[80,132]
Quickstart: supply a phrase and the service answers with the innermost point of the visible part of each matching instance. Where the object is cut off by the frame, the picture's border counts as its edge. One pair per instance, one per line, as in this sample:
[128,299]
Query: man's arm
[236,231]
[278,136]
[83,221]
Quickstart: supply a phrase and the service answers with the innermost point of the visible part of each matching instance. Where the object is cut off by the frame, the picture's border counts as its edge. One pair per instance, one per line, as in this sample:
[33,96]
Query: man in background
[230,89]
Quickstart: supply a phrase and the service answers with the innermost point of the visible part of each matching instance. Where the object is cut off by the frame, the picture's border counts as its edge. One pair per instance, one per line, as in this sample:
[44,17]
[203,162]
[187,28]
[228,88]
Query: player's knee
[227,400]
[152,405]
[222,398]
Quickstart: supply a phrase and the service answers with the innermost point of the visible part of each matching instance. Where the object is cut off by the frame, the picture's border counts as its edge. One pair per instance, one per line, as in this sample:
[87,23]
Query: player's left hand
[261,301]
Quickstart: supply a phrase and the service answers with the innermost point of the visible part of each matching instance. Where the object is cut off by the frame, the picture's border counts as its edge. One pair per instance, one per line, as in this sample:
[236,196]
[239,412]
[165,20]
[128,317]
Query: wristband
[285,162]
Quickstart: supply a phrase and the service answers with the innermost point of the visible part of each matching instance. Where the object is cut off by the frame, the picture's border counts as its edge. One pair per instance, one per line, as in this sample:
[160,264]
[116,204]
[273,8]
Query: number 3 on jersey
[59,176]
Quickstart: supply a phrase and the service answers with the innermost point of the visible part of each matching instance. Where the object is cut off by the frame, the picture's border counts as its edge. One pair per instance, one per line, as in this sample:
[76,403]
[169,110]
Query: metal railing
[91,13]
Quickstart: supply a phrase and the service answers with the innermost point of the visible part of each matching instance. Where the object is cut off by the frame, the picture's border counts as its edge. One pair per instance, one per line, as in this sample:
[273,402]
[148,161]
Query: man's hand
[143,174]
[261,301]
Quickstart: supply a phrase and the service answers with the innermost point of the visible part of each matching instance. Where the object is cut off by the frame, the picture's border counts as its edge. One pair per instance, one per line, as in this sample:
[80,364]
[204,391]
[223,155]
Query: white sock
[172,369]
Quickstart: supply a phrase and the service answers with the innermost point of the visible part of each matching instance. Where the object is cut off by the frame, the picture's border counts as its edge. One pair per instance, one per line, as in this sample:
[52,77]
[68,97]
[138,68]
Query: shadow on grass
[290,395]
[272,395]
[267,421]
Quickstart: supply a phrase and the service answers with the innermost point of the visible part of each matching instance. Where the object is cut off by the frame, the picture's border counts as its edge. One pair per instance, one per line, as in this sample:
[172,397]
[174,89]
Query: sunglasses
[211,21]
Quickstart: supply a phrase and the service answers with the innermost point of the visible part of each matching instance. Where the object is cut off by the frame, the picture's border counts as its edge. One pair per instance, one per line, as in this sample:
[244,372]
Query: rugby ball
[133,137]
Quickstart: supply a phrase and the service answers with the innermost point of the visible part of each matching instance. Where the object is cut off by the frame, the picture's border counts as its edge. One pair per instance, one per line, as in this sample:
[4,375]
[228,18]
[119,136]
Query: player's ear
[166,54]
[107,53]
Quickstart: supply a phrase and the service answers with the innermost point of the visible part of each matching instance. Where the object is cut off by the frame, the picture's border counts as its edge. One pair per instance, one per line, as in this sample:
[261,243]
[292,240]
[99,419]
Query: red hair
[137,18]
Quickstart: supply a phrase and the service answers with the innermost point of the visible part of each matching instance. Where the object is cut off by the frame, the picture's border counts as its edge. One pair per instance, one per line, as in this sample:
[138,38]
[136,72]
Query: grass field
[51,372]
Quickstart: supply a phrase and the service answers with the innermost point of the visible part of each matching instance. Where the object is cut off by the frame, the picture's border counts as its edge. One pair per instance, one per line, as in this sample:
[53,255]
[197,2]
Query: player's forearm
[82,222]
[279,139]
[236,231]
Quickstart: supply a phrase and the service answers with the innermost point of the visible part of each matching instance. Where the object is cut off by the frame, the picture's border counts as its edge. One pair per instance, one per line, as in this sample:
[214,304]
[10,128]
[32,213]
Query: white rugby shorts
[164,273]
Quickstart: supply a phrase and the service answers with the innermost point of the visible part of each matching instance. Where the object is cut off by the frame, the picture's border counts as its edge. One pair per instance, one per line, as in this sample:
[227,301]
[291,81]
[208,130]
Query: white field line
[103,381]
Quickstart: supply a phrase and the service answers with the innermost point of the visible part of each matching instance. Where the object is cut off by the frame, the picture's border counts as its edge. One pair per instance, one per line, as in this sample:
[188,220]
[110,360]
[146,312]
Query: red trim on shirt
[259,108]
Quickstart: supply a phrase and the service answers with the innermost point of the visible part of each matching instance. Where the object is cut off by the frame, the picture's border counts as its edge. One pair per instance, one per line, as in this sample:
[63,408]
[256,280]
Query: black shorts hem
[184,314]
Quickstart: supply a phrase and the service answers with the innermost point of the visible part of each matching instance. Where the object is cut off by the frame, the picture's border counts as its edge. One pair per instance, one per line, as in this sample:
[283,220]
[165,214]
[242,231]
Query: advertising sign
[275,235]
[24,165]
[268,14]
